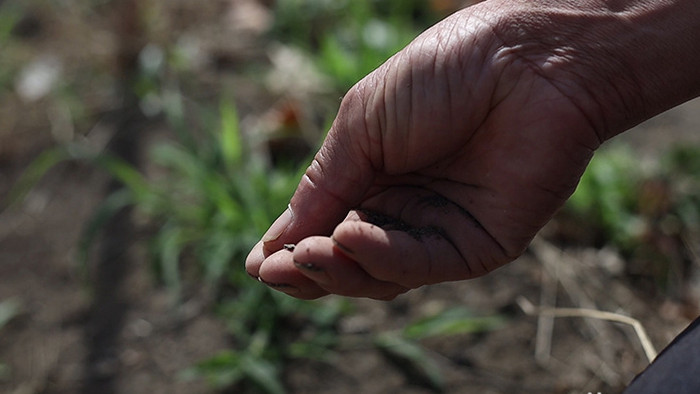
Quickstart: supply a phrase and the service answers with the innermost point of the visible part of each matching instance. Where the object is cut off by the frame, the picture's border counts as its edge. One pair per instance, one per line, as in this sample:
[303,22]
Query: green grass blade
[126,174]
[9,309]
[230,137]
[116,167]
[264,374]
[221,371]
[105,211]
[219,257]
[175,113]
[9,16]
[412,360]
[169,244]
[35,171]
[452,322]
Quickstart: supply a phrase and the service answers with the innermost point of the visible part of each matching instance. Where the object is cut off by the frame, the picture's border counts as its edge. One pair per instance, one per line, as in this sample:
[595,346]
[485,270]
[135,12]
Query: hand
[445,162]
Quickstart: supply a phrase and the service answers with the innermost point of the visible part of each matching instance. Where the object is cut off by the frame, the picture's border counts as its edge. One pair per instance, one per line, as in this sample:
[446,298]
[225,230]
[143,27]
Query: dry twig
[545,324]
[533,310]
[561,267]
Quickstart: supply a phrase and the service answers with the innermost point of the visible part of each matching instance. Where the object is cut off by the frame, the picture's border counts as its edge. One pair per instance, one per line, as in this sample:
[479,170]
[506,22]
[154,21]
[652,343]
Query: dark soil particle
[390,223]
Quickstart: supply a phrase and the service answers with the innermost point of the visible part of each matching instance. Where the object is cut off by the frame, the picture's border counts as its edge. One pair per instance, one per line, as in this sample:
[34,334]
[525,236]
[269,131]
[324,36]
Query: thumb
[336,181]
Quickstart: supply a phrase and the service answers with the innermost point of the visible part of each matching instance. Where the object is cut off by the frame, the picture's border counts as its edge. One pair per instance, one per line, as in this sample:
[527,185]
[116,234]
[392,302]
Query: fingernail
[285,287]
[342,247]
[307,266]
[278,227]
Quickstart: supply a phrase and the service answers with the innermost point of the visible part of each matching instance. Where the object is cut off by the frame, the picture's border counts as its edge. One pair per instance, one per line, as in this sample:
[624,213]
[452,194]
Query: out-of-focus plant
[10,15]
[648,214]
[682,166]
[404,349]
[220,198]
[605,200]
[364,41]
[9,309]
[623,201]
[210,202]
[349,39]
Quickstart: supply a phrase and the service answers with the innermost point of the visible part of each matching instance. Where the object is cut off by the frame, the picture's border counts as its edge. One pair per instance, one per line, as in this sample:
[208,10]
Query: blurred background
[146,145]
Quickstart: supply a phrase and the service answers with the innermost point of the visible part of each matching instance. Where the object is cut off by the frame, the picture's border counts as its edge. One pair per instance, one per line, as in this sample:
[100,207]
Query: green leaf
[5,372]
[9,309]
[175,113]
[176,158]
[169,244]
[264,374]
[230,367]
[105,211]
[128,175]
[337,62]
[35,171]
[219,256]
[317,347]
[222,370]
[9,16]
[231,146]
[116,167]
[412,359]
[451,322]
[216,190]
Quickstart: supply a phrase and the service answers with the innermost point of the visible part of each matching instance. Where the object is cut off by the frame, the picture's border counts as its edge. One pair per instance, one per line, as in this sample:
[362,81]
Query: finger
[319,259]
[398,257]
[337,179]
[254,260]
[278,272]
[422,238]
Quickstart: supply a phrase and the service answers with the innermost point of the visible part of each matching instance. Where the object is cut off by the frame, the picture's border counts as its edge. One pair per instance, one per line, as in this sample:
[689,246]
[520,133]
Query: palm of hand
[447,169]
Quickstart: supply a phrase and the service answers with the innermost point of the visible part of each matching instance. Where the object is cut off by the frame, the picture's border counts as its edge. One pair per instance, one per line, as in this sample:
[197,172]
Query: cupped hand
[441,165]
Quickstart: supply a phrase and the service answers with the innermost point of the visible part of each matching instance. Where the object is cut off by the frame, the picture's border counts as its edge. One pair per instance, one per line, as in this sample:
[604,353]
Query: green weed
[349,39]
[211,202]
[605,200]
[648,214]
[9,309]
[10,15]
[405,351]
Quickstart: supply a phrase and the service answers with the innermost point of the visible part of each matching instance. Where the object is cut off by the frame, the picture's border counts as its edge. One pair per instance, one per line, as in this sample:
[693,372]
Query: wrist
[620,65]
[660,41]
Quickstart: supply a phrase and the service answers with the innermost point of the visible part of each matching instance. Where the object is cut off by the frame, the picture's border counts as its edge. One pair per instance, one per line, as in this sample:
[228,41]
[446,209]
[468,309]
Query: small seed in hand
[289,247]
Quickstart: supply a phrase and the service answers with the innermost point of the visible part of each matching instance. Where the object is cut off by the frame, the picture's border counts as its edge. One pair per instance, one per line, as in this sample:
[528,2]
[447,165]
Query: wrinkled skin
[445,162]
